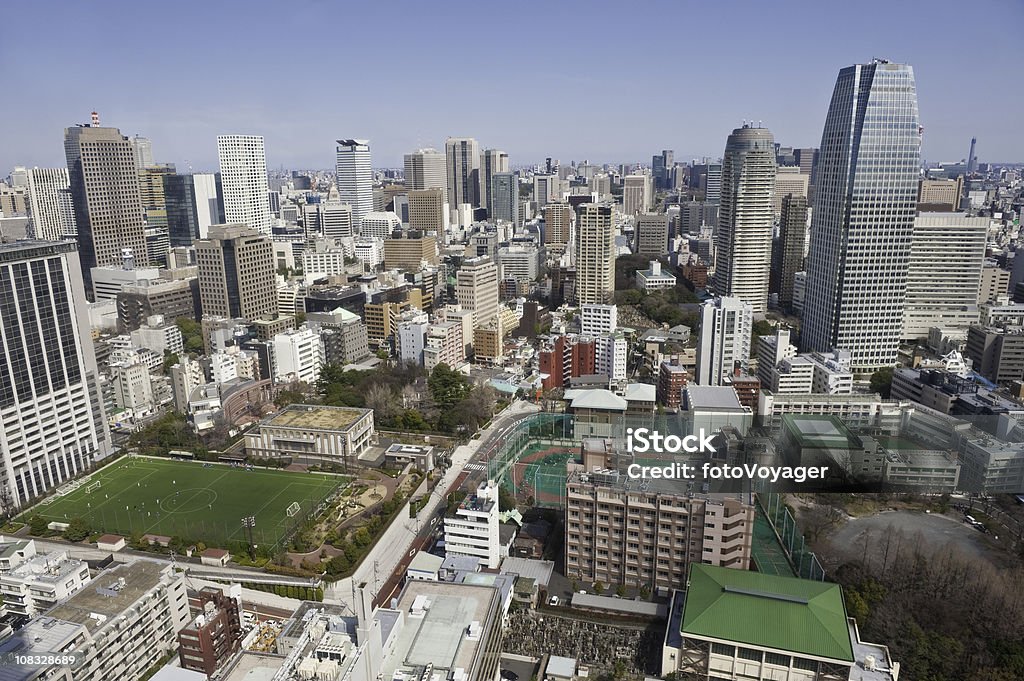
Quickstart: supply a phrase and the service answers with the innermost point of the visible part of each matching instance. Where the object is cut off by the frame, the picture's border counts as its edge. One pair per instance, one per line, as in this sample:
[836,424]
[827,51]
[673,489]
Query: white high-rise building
[745,217]
[426,169]
[610,355]
[50,208]
[862,225]
[463,164]
[596,319]
[474,530]
[724,342]
[595,255]
[946,257]
[380,225]
[243,175]
[52,425]
[412,334]
[298,356]
[143,148]
[355,178]
[330,220]
[476,289]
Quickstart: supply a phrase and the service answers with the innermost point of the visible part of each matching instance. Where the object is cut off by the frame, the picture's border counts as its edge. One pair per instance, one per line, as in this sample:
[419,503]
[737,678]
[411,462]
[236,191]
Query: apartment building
[31,583]
[648,537]
[474,530]
[214,634]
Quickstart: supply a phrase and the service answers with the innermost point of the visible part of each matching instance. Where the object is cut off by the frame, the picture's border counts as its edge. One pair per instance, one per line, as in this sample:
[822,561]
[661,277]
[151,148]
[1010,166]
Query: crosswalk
[475,467]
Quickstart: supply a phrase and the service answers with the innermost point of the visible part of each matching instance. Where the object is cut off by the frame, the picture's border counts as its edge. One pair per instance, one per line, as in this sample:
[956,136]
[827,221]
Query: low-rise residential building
[31,583]
[653,279]
[313,434]
[213,635]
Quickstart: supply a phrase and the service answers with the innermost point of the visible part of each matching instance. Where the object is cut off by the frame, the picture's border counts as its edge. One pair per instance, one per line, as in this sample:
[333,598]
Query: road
[396,546]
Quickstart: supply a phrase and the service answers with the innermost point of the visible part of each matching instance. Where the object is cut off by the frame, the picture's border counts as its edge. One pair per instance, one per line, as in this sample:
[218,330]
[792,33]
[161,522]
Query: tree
[170,359]
[192,335]
[381,400]
[38,525]
[506,500]
[447,387]
[881,381]
[598,588]
[78,529]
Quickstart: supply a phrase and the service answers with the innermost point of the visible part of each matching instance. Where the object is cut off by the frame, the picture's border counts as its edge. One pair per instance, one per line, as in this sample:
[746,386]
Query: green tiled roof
[798,615]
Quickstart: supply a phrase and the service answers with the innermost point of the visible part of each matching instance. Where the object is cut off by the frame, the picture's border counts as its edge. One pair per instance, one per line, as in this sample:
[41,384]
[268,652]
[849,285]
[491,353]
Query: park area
[192,500]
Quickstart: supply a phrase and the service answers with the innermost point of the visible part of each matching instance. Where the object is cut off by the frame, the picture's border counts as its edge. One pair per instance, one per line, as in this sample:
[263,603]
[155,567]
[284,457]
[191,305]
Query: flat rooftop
[40,636]
[314,417]
[815,430]
[104,595]
[439,637]
[716,397]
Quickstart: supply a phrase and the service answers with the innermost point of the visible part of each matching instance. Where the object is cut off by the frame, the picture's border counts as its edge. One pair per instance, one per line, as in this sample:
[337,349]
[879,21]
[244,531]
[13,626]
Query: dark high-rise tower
[104,184]
[863,218]
[972,161]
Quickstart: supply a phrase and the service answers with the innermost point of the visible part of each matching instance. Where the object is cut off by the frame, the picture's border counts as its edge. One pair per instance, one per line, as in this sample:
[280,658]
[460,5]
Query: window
[775,658]
[722,649]
[750,654]
[808,665]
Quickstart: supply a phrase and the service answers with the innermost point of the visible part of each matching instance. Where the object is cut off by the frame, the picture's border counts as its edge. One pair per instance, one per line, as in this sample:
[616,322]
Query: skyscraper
[463,163]
[243,175]
[636,194]
[724,342]
[595,255]
[52,423]
[50,207]
[972,160]
[193,204]
[236,273]
[863,219]
[143,148]
[426,210]
[151,193]
[713,182]
[104,186]
[793,241]
[745,217]
[492,161]
[355,178]
[546,188]
[425,169]
[557,226]
[651,234]
[476,289]
[504,197]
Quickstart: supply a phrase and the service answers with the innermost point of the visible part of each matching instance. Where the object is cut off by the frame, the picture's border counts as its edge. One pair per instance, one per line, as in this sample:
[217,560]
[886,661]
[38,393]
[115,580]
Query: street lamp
[249,522]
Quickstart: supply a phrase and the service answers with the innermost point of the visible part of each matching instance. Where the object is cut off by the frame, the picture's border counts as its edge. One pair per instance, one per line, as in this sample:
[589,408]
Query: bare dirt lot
[931,531]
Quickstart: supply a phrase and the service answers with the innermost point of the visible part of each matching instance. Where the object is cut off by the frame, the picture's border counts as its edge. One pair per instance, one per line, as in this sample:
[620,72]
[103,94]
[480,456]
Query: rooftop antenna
[95,118]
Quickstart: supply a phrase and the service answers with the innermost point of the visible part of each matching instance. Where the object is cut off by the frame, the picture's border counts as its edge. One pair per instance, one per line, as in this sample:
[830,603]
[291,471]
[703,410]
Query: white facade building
[50,209]
[298,355]
[379,225]
[474,531]
[724,341]
[243,175]
[412,333]
[355,177]
[35,582]
[597,319]
[610,355]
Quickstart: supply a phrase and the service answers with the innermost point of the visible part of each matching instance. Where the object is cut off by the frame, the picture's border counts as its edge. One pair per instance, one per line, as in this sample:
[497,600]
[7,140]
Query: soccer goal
[293,509]
[92,486]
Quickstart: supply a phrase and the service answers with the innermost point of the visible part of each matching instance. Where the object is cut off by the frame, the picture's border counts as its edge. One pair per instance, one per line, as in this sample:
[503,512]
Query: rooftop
[641,392]
[595,399]
[719,398]
[40,636]
[108,597]
[538,570]
[309,416]
[783,613]
[818,430]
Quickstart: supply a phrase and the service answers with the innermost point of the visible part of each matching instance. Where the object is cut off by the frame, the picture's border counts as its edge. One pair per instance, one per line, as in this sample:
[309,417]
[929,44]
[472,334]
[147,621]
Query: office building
[427,210]
[426,169]
[713,182]
[355,178]
[237,274]
[995,283]
[413,252]
[297,356]
[654,279]
[557,226]
[789,181]
[595,255]
[411,336]
[792,245]
[313,434]
[546,189]
[492,162]
[343,335]
[504,197]
[520,261]
[327,220]
[637,195]
[862,224]
[474,529]
[940,196]
[151,193]
[997,353]
[51,416]
[598,319]
[379,224]
[463,165]
[724,343]
[651,234]
[715,640]
[807,160]
[745,219]
[476,289]
[214,635]
[947,253]
[171,299]
[104,185]
[49,204]
[644,536]
[243,177]
[142,148]
[193,203]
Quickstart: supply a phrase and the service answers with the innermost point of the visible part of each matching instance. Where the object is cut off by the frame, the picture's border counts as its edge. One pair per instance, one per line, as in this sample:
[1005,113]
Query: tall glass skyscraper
[863,219]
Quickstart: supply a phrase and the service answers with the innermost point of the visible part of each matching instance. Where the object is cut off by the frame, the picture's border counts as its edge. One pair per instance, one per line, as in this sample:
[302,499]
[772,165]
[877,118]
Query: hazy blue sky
[608,81]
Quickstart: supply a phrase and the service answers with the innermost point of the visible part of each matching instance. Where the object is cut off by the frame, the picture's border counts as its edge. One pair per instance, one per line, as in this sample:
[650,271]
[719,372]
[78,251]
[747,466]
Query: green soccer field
[185,499]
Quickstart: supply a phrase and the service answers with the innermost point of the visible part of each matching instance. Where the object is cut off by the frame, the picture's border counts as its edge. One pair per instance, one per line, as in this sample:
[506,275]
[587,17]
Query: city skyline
[183,115]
